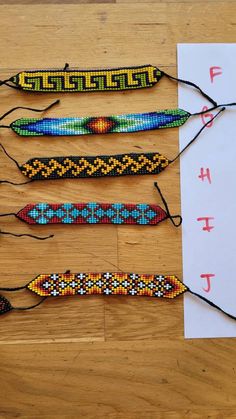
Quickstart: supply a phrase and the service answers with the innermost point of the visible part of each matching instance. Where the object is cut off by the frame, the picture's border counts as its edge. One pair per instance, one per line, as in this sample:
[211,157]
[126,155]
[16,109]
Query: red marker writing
[205,175]
[215,71]
[206,116]
[208,279]
[207,226]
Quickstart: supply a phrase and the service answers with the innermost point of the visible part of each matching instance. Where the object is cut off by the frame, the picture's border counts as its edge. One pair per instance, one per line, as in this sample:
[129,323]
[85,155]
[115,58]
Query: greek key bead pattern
[126,78]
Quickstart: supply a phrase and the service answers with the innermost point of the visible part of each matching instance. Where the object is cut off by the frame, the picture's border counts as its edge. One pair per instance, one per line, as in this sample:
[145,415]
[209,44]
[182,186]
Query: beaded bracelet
[126,123]
[96,213]
[107,283]
[74,167]
[29,127]
[116,79]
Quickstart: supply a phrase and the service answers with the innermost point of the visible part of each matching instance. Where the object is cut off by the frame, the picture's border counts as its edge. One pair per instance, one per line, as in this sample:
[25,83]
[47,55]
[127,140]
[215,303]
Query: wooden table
[101,357]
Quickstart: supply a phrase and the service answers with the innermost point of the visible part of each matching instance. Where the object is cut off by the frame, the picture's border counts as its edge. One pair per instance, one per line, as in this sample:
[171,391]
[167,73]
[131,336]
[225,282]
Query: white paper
[211,252]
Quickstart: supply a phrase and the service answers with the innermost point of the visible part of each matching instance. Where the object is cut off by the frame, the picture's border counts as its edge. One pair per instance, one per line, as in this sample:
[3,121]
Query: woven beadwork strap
[109,283]
[97,213]
[66,80]
[92,213]
[100,125]
[124,78]
[94,166]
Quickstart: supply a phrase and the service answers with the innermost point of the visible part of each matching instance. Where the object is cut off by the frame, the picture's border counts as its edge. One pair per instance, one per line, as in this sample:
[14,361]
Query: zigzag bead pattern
[92,213]
[94,166]
[100,125]
[108,283]
[124,78]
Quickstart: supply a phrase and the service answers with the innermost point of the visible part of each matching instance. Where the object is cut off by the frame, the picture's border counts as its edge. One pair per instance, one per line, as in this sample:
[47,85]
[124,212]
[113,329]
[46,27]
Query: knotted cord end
[170,216]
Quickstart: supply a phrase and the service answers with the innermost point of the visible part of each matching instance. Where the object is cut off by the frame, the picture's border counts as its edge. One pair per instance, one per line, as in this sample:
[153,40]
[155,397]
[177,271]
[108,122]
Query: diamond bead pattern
[92,213]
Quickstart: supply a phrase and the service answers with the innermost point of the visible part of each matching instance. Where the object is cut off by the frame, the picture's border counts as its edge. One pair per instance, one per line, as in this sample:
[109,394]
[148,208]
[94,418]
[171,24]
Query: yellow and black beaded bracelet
[103,283]
[95,80]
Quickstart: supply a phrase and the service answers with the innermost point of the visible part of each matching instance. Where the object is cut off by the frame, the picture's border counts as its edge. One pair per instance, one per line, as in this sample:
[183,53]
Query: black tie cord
[14,288]
[189,83]
[171,217]
[30,307]
[223,105]
[16,184]
[17,165]
[6,306]
[197,135]
[211,303]
[26,235]
[11,158]
[7,84]
[8,214]
[27,108]
[22,235]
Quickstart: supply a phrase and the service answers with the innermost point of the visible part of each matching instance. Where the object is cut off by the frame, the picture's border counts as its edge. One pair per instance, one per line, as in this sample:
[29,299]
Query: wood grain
[96,357]
[120,379]
[60,2]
